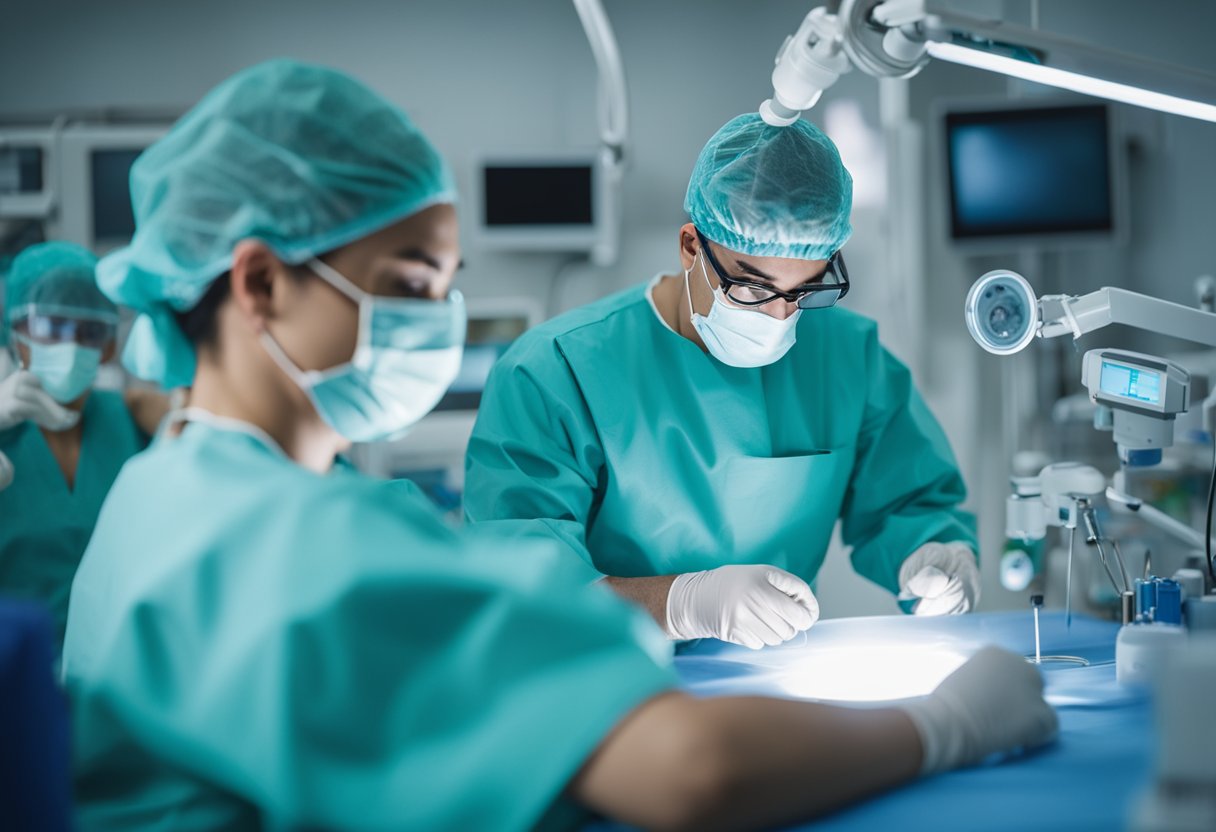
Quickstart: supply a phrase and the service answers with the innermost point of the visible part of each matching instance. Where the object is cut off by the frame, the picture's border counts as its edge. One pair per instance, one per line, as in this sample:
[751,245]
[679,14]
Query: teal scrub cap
[56,279]
[301,157]
[771,191]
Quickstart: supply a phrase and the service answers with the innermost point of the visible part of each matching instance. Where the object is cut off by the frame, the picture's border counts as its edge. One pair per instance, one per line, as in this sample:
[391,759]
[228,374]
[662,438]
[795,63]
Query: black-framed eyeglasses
[820,294]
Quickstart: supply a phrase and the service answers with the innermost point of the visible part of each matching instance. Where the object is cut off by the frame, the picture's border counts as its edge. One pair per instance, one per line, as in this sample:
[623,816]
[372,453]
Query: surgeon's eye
[398,285]
[415,288]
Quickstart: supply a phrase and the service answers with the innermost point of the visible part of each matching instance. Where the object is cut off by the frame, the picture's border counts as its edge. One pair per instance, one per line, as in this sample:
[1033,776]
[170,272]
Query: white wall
[487,75]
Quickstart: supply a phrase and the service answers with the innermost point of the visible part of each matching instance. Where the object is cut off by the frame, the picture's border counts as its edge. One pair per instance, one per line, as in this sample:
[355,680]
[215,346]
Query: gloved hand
[752,605]
[942,578]
[6,471]
[23,399]
[992,703]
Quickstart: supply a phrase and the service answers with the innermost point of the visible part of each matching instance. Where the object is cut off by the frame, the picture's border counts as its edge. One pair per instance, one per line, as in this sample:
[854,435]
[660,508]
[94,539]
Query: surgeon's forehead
[432,233]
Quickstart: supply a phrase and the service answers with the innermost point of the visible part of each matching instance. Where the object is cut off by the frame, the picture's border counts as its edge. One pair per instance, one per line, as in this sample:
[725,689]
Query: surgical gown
[44,525]
[251,645]
[645,456]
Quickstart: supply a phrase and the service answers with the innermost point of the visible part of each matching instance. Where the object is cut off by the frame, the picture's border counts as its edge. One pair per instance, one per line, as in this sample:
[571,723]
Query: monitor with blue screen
[1030,172]
[1132,383]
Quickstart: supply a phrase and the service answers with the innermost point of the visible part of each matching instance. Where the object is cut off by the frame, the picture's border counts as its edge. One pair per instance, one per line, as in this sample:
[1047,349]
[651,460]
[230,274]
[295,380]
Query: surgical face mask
[740,337]
[65,369]
[408,353]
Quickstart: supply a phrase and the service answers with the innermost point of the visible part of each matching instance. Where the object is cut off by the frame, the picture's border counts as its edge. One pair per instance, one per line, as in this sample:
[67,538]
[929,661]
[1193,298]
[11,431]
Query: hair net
[56,279]
[771,191]
[302,157]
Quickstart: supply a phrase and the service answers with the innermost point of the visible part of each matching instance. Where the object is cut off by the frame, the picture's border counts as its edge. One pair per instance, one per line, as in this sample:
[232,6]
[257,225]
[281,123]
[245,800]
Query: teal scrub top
[251,645]
[44,525]
[644,455]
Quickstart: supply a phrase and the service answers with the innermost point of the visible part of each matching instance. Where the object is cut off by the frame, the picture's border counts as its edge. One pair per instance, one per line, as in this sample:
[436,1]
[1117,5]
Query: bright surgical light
[1085,84]
[1002,312]
[868,673]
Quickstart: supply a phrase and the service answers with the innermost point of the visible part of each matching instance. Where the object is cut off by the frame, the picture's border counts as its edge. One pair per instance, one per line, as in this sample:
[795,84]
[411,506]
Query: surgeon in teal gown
[65,441]
[258,638]
[728,415]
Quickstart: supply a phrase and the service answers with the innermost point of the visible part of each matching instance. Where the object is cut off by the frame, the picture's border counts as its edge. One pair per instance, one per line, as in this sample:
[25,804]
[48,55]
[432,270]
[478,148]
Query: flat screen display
[538,195]
[113,219]
[1130,383]
[1031,171]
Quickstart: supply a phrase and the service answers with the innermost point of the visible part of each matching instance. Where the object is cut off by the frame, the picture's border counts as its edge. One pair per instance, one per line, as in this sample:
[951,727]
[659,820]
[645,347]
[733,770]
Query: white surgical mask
[737,336]
[408,353]
[65,369]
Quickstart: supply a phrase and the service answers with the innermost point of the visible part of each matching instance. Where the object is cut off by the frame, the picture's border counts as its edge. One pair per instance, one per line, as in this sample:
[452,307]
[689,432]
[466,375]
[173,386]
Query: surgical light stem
[613,93]
[1072,536]
[1038,655]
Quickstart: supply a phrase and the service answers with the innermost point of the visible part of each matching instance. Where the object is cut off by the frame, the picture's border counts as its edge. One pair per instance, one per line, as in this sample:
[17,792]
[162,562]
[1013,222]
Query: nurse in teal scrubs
[66,441]
[694,440]
[259,639]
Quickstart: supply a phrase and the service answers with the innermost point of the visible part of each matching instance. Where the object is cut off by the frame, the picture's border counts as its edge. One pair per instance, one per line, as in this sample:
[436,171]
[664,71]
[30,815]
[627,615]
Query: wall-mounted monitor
[27,179]
[1032,174]
[550,203]
[95,167]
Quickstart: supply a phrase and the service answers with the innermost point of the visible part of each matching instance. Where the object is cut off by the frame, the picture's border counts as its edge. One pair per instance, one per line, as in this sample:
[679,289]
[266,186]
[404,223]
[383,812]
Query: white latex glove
[6,471]
[993,703]
[23,399]
[943,579]
[743,604]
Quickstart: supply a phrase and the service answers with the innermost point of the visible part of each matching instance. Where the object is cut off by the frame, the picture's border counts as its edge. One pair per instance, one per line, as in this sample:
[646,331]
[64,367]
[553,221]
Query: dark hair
[199,322]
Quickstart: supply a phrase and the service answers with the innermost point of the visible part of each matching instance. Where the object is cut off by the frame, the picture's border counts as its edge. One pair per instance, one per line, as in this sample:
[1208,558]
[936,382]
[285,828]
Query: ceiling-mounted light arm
[896,38]
[613,95]
[1044,58]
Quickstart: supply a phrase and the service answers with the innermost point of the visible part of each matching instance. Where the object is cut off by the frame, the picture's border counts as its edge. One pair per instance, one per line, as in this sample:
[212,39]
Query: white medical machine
[1138,399]
[73,178]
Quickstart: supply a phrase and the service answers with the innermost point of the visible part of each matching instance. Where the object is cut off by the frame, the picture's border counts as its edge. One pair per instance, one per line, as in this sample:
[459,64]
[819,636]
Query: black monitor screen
[1029,171]
[113,219]
[20,170]
[553,195]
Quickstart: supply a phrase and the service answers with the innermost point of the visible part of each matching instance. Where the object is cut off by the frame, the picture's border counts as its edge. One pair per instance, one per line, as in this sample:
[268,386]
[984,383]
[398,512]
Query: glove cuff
[940,736]
[679,603]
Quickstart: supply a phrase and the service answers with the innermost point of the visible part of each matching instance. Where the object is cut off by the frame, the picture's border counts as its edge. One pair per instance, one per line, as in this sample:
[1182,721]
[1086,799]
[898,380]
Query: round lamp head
[1002,312]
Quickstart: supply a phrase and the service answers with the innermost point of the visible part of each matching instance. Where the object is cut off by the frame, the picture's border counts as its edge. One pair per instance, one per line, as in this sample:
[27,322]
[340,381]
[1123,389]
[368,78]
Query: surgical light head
[1138,397]
[1002,312]
[871,34]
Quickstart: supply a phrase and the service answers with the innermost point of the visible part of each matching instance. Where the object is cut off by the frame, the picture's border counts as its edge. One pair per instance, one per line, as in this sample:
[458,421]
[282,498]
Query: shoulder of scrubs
[905,489]
[253,644]
[534,458]
[591,314]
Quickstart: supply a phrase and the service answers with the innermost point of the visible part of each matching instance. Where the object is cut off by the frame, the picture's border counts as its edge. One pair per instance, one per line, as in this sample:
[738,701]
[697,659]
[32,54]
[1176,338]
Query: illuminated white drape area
[866,661]
[869,672]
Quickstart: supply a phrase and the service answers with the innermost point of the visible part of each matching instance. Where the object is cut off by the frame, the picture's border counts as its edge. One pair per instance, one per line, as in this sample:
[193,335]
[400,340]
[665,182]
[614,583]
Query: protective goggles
[49,326]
